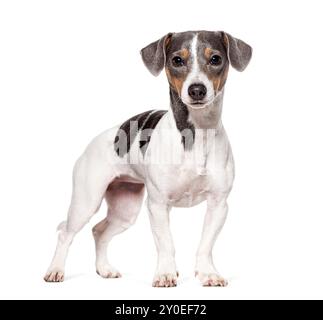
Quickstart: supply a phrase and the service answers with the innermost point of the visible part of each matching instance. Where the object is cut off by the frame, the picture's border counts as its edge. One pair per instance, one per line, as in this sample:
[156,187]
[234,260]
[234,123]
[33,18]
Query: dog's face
[196,63]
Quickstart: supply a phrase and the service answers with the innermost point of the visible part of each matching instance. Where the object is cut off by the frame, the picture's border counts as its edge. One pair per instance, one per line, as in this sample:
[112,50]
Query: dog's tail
[61,226]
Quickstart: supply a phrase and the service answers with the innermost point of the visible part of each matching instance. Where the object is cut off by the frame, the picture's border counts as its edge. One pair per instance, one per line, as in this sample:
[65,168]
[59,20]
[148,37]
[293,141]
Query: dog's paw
[165,280]
[211,279]
[54,276]
[107,271]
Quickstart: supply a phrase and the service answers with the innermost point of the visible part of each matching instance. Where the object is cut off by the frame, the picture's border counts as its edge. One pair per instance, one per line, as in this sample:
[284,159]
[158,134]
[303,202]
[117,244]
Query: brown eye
[178,61]
[216,60]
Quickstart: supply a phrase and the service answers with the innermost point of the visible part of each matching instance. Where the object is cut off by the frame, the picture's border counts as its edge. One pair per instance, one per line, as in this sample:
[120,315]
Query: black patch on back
[126,129]
[184,126]
[147,129]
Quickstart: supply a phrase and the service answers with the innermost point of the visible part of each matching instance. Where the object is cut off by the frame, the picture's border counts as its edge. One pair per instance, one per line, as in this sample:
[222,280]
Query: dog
[123,162]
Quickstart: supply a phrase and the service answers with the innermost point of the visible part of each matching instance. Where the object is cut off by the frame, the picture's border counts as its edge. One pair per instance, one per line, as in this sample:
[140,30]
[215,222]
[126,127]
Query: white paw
[165,280]
[54,276]
[107,271]
[211,279]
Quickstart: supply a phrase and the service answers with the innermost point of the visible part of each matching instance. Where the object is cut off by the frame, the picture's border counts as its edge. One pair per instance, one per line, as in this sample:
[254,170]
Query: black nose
[197,91]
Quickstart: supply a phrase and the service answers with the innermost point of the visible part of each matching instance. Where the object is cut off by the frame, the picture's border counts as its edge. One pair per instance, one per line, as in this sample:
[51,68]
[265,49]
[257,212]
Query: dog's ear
[154,55]
[239,53]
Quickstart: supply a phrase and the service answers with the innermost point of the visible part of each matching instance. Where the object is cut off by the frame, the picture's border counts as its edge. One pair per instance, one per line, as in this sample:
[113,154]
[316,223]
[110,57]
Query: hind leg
[90,181]
[124,203]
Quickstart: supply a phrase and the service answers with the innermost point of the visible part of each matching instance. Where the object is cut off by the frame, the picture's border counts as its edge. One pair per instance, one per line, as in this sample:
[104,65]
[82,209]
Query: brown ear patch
[167,41]
[175,82]
[226,41]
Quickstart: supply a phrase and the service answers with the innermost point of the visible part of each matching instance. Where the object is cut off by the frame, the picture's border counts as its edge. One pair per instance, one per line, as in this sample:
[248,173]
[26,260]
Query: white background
[71,69]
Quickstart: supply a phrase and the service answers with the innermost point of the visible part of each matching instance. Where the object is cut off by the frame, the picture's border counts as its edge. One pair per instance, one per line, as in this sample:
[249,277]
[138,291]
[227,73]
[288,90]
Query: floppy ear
[154,55]
[239,53]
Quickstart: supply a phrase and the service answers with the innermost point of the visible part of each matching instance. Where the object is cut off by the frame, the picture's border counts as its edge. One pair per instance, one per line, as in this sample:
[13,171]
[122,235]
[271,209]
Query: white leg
[90,181]
[166,275]
[103,232]
[124,203]
[214,220]
[55,271]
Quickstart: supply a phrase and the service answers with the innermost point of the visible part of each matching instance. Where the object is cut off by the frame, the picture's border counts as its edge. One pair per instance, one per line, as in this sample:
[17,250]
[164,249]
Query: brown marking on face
[175,82]
[223,77]
[219,79]
[178,46]
[208,53]
[184,53]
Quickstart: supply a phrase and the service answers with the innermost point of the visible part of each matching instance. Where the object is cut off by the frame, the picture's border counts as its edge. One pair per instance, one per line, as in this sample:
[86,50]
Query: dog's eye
[178,61]
[216,60]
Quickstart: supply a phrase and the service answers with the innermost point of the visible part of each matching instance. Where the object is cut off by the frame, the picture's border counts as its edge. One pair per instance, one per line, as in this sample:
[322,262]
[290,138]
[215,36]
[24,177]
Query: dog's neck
[208,117]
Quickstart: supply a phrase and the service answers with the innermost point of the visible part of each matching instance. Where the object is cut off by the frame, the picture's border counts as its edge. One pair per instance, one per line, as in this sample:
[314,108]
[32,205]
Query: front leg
[214,220]
[166,275]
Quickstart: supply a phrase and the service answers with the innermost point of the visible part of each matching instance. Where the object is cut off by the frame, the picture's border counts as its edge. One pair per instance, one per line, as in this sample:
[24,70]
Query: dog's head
[196,63]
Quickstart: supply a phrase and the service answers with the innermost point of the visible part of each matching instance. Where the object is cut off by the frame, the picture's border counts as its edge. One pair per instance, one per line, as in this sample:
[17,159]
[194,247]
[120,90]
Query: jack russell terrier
[181,157]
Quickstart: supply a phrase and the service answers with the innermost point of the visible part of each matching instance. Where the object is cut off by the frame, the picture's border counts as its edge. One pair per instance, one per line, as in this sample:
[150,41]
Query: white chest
[207,168]
[188,188]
